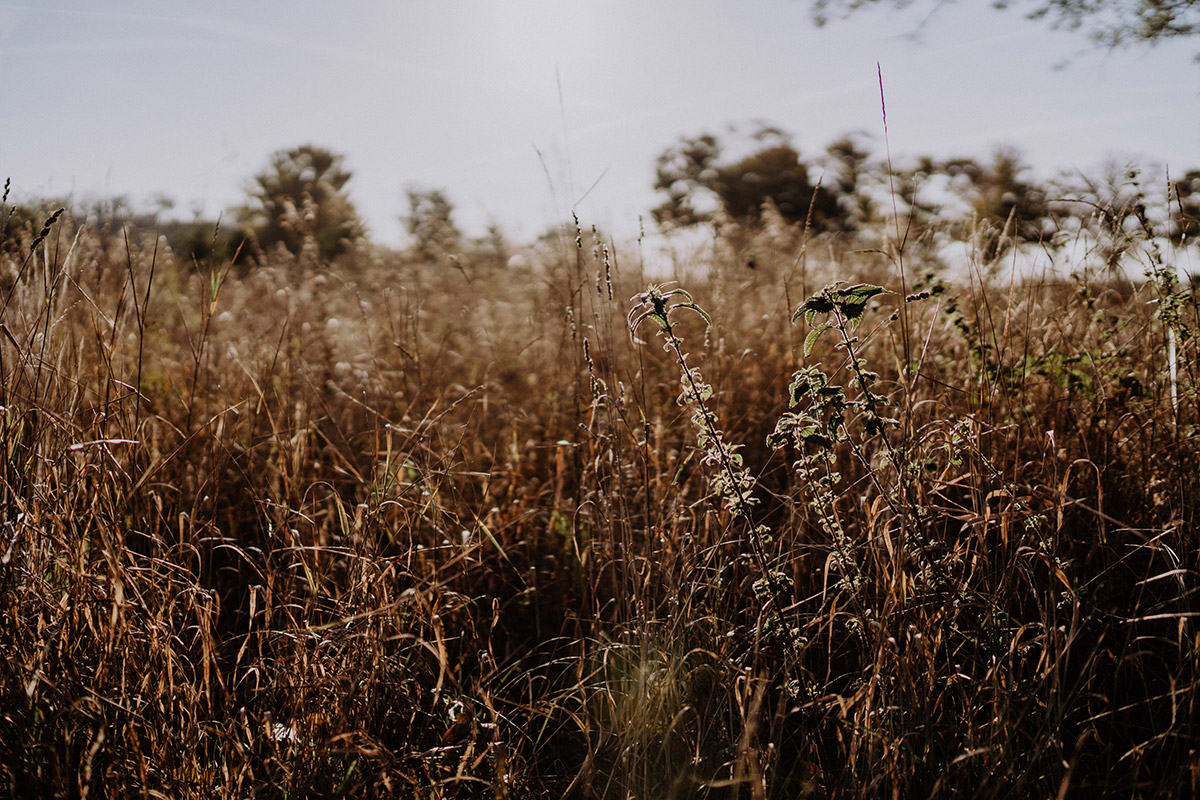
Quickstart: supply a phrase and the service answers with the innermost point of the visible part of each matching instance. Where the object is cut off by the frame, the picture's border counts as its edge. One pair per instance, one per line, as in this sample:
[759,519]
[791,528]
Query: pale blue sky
[189,99]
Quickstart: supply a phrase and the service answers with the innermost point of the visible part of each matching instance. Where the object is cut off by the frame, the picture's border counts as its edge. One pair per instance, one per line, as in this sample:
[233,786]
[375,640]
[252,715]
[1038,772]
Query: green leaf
[861,292]
[810,341]
[853,301]
[817,304]
[816,439]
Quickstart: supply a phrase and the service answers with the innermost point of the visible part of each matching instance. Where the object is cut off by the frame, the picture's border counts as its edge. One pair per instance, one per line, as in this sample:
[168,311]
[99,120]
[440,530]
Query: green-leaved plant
[731,481]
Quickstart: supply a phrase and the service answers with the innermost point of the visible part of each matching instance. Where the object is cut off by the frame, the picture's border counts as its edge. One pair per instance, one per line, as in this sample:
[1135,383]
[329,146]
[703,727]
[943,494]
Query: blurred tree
[300,197]
[113,220]
[201,241]
[1185,208]
[697,184]
[493,246]
[1120,214]
[20,223]
[852,172]
[430,221]
[910,187]
[776,174]
[1110,207]
[1011,208]
[1109,23]
[680,171]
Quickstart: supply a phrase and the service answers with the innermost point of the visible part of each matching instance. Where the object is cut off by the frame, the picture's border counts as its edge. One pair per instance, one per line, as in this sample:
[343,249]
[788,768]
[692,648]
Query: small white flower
[283,733]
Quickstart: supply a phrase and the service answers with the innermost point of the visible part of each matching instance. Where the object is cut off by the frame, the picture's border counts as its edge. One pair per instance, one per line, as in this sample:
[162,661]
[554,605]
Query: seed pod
[53,218]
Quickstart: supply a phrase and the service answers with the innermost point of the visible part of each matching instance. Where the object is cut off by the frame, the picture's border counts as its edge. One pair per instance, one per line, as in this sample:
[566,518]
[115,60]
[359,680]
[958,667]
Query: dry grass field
[384,528]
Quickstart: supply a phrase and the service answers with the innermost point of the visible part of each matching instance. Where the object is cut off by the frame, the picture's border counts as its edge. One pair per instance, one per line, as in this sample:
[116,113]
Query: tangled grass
[389,529]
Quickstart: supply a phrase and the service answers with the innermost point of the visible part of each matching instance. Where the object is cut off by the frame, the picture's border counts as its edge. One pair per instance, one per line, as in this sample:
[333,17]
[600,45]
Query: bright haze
[525,110]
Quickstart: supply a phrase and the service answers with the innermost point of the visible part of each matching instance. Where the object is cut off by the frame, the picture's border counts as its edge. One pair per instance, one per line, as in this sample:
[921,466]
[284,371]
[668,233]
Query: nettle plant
[816,424]
[817,420]
[731,481]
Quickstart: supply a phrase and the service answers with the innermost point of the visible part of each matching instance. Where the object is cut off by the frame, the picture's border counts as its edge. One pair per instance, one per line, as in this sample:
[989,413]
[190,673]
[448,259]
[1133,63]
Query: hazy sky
[516,107]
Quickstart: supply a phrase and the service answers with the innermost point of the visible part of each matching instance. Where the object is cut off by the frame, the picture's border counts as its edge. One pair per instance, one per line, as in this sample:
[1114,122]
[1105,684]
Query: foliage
[697,182]
[430,222]
[1005,206]
[390,532]
[776,175]
[1184,202]
[300,201]
[1109,23]
[115,219]
[996,204]
[202,242]
[852,173]
[683,168]
[1115,23]
[20,223]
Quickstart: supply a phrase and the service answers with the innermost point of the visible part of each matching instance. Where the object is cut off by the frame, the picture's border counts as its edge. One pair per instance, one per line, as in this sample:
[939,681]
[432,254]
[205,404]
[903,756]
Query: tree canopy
[1110,23]
[997,204]
[430,222]
[301,196]
[697,182]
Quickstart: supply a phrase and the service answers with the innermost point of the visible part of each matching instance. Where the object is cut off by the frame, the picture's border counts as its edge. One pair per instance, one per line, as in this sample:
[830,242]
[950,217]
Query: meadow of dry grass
[394,529]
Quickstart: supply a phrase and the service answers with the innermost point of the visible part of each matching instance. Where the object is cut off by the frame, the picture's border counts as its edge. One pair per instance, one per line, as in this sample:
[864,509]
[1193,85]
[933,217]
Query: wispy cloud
[137,43]
[217,33]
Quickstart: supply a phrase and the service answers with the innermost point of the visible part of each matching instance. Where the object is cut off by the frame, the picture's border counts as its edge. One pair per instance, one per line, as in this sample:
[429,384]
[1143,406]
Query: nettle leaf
[815,438]
[810,341]
[796,393]
[817,304]
[860,292]
[852,301]
[875,425]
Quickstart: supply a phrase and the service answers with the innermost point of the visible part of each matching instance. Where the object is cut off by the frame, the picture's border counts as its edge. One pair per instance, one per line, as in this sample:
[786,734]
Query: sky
[523,111]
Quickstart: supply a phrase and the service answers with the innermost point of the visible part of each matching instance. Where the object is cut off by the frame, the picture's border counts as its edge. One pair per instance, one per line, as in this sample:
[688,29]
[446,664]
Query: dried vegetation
[396,529]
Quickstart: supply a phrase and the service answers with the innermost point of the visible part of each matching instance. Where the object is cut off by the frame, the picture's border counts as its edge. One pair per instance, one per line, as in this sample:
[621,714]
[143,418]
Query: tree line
[300,201]
[848,188]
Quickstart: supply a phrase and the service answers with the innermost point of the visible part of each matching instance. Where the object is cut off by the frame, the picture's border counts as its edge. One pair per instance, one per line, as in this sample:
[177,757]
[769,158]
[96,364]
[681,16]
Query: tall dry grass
[394,529]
